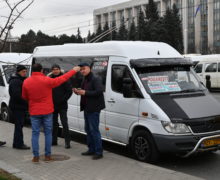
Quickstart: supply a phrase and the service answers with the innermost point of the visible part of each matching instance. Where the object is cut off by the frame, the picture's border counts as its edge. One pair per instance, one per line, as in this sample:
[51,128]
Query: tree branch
[13,16]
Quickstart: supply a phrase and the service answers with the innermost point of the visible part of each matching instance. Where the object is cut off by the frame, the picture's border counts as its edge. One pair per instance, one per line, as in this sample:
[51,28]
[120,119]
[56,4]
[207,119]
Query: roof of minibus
[209,57]
[14,58]
[129,49]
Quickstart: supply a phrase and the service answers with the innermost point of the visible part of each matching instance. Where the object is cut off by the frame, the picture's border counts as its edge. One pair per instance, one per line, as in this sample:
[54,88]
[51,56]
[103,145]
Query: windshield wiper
[191,90]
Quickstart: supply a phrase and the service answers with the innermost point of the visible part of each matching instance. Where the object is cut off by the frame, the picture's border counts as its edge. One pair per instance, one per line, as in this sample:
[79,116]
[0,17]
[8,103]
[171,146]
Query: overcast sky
[55,17]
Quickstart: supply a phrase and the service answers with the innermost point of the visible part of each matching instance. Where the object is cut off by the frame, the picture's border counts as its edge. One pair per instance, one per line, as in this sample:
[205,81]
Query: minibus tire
[149,153]
[6,114]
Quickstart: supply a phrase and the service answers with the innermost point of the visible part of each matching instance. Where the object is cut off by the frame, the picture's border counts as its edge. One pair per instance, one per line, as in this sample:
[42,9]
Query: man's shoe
[97,156]
[67,146]
[48,158]
[87,153]
[35,159]
[24,147]
[2,143]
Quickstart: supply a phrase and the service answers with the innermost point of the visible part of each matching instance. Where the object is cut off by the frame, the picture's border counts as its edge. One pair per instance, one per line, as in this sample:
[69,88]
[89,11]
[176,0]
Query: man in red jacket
[37,90]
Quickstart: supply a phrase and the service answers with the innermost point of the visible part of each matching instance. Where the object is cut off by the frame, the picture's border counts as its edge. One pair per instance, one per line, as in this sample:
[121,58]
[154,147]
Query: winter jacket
[16,101]
[37,90]
[93,100]
[61,94]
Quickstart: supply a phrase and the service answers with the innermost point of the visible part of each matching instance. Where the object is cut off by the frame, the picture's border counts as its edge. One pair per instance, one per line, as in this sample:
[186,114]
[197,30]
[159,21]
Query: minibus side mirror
[127,89]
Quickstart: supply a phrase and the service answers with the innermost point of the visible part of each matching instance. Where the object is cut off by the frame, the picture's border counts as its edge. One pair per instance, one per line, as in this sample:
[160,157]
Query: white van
[154,100]
[209,65]
[8,62]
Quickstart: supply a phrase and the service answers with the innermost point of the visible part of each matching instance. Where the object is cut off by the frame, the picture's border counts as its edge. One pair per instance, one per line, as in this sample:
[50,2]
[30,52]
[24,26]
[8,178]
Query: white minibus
[8,62]
[154,100]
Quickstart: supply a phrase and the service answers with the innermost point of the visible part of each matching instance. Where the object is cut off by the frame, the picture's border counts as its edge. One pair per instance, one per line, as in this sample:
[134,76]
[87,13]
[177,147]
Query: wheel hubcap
[4,116]
[142,148]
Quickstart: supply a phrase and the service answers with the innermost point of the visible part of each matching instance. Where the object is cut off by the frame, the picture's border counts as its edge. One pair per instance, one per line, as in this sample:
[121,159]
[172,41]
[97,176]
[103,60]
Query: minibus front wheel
[5,113]
[144,147]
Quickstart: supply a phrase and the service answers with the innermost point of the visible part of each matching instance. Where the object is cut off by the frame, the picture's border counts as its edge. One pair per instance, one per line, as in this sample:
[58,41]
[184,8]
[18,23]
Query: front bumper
[184,144]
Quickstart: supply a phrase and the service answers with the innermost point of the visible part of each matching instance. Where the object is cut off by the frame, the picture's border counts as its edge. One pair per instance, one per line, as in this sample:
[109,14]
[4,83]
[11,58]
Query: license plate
[210,142]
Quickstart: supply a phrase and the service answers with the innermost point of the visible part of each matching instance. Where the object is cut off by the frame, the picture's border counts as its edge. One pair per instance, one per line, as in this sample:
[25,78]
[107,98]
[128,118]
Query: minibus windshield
[169,79]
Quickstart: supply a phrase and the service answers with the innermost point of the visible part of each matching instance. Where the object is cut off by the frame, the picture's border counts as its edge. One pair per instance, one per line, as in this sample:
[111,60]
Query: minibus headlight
[175,128]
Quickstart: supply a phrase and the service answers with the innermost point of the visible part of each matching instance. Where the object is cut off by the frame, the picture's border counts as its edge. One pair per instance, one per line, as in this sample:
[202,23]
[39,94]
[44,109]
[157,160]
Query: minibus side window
[66,63]
[119,72]
[198,68]
[1,79]
[211,67]
[99,68]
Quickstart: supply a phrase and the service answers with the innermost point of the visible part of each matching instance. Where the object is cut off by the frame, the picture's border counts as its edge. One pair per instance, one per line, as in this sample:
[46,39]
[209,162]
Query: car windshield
[11,69]
[169,79]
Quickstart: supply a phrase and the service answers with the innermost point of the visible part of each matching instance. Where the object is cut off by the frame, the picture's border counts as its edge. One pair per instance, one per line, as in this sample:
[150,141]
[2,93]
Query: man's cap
[55,66]
[82,64]
[20,68]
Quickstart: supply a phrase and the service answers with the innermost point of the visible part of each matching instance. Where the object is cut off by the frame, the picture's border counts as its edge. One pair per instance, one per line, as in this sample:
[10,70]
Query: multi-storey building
[200,20]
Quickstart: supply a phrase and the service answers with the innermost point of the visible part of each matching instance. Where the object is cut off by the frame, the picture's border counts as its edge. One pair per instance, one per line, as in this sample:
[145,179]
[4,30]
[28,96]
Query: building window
[138,9]
[191,27]
[99,20]
[130,18]
[179,7]
[204,26]
[121,16]
[105,19]
[113,18]
[217,24]
[158,7]
[168,4]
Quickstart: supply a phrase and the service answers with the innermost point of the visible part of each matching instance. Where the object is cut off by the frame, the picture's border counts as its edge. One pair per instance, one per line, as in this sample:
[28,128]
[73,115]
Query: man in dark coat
[92,102]
[18,106]
[61,94]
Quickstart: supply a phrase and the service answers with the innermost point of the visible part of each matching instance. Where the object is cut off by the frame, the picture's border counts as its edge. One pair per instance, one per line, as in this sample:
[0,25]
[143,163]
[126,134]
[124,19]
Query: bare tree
[14,11]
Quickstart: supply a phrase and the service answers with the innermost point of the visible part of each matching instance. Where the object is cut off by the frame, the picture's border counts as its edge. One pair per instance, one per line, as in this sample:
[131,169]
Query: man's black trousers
[64,121]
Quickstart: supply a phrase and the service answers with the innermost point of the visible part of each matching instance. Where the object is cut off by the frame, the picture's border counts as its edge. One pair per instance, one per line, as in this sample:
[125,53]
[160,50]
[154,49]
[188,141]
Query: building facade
[200,20]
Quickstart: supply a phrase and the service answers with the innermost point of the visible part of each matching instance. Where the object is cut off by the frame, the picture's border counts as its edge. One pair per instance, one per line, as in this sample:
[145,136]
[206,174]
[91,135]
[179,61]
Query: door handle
[111,101]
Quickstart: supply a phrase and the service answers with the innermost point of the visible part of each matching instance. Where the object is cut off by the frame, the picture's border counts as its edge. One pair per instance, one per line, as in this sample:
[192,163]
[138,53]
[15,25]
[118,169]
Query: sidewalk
[111,167]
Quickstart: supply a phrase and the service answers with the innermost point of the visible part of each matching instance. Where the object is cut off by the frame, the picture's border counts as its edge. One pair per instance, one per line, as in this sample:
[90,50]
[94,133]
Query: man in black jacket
[92,102]
[18,106]
[61,94]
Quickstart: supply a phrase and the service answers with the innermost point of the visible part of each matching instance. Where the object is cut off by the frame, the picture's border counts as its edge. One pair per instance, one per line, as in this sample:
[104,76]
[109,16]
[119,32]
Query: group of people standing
[45,98]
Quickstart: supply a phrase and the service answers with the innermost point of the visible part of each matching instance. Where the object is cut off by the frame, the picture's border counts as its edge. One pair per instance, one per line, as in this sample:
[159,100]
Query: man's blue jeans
[94,141]
[46,122]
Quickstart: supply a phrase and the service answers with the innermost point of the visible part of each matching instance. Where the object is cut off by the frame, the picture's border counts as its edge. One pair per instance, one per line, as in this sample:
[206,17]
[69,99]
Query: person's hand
[81,92]
[75,91]
[76,68]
